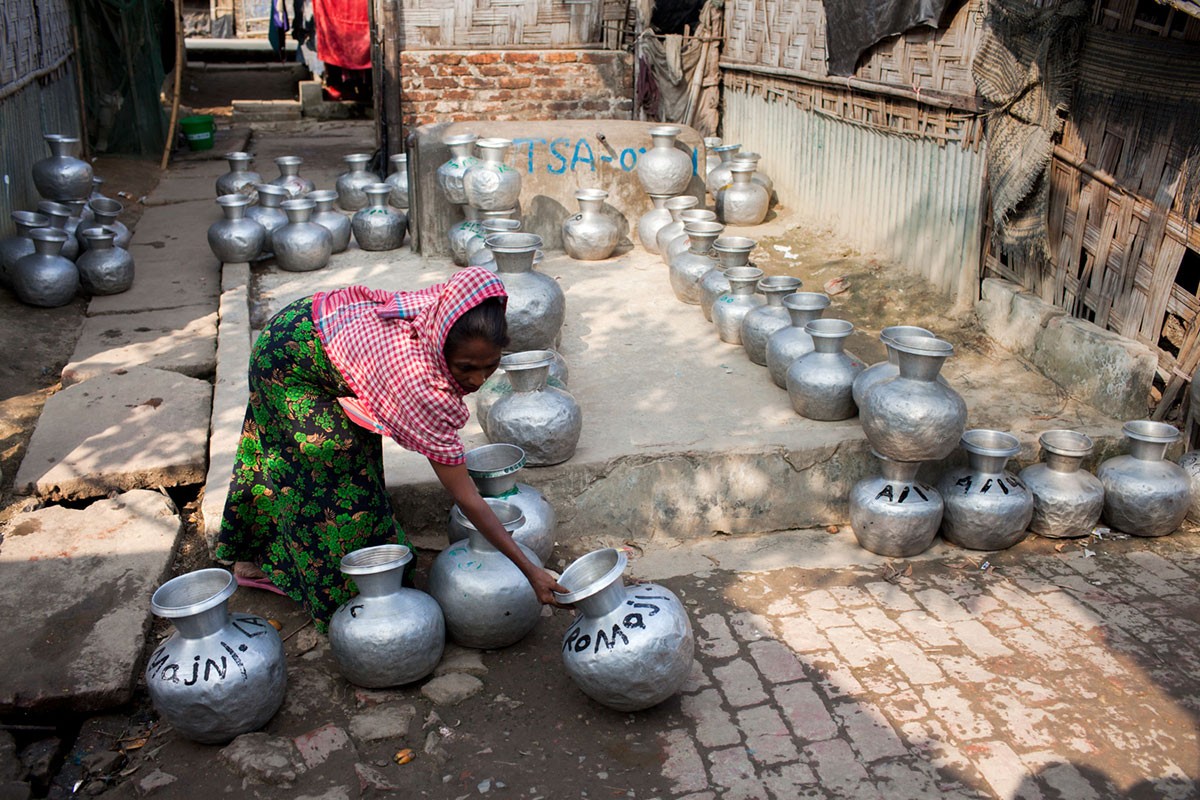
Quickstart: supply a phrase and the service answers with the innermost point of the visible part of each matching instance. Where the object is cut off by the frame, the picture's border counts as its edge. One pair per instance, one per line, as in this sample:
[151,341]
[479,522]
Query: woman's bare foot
[245,569]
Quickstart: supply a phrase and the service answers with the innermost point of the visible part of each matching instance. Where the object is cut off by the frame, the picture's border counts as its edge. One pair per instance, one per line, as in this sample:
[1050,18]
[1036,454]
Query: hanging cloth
[852,26]
[343,33]
[277,32]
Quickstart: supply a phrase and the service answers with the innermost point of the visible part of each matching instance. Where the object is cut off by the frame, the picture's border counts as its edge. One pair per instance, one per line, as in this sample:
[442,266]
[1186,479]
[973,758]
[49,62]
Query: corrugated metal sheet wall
[906,199]
[38,109]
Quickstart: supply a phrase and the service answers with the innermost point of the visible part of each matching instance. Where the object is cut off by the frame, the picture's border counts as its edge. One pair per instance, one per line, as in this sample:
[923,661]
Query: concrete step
[77,587]
[683,436]
[265,111]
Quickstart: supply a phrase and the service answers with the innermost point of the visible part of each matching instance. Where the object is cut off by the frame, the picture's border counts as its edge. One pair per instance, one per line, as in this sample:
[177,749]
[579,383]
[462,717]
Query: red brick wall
[444,86]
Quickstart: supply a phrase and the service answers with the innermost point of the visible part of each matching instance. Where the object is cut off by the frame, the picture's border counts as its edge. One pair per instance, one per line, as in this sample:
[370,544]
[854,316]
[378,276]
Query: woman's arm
[462,488]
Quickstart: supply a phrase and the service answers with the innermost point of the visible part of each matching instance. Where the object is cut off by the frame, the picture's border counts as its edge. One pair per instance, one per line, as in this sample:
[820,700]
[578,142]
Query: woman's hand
[463,489]
[545,585]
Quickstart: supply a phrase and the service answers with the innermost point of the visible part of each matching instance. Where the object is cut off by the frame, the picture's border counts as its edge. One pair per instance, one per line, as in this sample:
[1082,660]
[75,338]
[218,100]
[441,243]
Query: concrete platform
[683,436]
[77,587]
[143,427]
[179,340]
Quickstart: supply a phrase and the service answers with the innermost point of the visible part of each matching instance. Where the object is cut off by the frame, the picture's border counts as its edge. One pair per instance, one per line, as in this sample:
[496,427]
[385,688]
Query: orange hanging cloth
[343,33]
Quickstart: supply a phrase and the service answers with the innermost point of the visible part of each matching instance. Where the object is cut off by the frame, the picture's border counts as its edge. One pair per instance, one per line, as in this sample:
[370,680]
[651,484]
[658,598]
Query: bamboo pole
[85,145]
[180,60]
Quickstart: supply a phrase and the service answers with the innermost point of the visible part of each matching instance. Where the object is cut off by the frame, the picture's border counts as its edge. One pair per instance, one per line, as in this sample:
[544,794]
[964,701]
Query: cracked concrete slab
[145,427]
[180,340]
[77,583]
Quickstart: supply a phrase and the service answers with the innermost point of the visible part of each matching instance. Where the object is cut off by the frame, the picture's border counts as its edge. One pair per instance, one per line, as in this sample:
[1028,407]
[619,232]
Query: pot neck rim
[373,560]
[587,568]
[893,332]
[1149,431]
[193,593]
[1066,443]
[806,301]
[510,516]
[495,460]
[990,443]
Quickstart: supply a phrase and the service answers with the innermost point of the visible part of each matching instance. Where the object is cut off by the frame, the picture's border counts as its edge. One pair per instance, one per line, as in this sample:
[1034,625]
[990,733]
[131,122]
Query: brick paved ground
[1069,674]
[820,672]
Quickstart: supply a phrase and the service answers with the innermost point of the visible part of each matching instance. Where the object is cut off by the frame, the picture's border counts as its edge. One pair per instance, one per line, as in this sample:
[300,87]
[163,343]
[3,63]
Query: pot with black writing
[329,218]
[761,322]
[890,367]
[301,245]
[987,507]
[893,514]
[664,168]
[536,304]
[352,183]
[689,267]
[818,383]
[740,300]
[787,344]
[386,635]
[1144,493]
[220,674]
[913,416]
[542,420]
[630,647]
[377,227]
[290,179]
[450,173]
[240,179]
[732,251]
[650,223]
[590,235]
[104,268]
[487,601]
[1067,500]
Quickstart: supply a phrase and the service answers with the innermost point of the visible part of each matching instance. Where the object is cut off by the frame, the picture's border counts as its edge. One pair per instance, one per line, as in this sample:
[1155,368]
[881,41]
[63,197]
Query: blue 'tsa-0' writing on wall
[561,155]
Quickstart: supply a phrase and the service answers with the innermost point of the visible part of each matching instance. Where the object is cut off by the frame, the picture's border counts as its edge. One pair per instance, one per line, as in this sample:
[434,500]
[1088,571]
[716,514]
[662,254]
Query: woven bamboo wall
[1123,234]
[790,34]
[475,24]
[35,36]
[37,94]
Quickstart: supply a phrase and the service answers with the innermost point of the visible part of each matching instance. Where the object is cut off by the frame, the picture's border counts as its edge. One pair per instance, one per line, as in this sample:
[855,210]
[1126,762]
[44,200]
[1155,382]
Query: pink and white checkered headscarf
[388,347]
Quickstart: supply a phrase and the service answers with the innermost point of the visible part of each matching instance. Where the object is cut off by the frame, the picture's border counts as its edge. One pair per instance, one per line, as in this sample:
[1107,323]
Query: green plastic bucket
[199,131]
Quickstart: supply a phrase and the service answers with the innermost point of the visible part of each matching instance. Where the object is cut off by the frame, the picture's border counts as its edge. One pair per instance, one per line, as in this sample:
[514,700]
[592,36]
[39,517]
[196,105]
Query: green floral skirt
[307,485]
